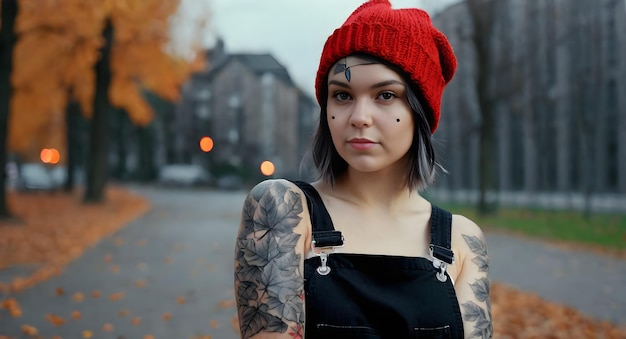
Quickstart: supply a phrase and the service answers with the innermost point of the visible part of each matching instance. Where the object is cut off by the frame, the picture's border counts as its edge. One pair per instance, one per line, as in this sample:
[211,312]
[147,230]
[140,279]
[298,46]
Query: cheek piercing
[397,120]
[332,117]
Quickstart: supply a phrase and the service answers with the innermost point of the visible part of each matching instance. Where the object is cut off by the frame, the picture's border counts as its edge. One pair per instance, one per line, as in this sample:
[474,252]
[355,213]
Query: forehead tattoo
[343,67]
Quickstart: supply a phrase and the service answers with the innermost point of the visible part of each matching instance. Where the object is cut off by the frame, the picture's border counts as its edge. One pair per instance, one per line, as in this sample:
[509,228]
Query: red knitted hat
[405,37]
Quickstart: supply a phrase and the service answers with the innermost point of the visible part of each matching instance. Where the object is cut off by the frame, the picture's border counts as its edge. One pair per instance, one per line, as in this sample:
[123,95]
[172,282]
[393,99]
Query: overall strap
[323,232]
[441,234]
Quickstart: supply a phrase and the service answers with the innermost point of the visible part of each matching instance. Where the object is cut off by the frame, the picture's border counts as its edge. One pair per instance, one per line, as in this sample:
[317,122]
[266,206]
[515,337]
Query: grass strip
[601,229]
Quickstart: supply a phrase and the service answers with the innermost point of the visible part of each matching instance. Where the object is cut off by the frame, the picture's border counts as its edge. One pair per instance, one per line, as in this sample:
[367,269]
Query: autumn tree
[8,9]
[63,55]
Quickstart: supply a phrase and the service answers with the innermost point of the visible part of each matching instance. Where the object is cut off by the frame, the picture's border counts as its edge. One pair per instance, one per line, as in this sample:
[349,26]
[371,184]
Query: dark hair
[422,166]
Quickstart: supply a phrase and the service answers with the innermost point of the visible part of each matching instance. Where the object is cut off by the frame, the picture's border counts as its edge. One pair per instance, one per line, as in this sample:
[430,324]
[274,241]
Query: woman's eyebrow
[376,85]
[338,83]
[387,83]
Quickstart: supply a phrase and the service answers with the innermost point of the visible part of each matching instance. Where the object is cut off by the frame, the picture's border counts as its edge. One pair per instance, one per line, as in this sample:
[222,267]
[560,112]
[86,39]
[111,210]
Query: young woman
[359,253]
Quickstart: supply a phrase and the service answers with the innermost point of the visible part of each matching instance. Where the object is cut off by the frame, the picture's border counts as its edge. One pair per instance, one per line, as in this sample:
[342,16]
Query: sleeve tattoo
[483,327]
[268,278]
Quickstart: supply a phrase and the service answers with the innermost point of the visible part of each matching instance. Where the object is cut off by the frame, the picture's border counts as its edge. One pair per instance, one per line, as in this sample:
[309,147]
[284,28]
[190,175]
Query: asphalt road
[177,260]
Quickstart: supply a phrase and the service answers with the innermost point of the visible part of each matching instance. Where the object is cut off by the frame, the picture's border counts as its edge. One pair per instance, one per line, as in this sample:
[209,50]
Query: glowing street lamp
[206,144]
[267,168]
[50,156]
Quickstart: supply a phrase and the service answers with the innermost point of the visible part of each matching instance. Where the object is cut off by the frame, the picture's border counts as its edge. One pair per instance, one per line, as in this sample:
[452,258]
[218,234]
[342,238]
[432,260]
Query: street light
[206,144]
[267,168]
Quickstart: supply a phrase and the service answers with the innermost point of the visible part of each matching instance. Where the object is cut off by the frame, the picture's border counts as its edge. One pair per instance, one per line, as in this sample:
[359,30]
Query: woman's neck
[379,190]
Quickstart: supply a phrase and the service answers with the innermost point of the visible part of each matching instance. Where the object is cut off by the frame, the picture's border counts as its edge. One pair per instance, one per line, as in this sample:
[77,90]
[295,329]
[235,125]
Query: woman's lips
[361,144]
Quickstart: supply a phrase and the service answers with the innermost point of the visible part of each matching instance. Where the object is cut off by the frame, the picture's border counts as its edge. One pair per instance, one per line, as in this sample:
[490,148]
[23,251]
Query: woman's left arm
[472,282]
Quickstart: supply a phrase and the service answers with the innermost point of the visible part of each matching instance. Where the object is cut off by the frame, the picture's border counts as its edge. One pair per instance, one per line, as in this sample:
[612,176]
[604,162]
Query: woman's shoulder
[468,238]
[464,225]
[274,188]
[277,205]
[277,194]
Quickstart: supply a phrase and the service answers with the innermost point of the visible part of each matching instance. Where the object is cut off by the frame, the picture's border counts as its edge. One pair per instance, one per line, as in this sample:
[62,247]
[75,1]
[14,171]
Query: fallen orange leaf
[115,268]
[107,327]
[116,296]
[136,321]
[180,300]
[108,258]
[168,260]
[78,297]
[60,291]
[148,336]
[13,307]
[166,316]
[140,283]
[214,324]
[29,330]
[95,294]
[76,315]
[87,334]
[123,313]
[53,337]
[234,322]
[55,319]
[228,303]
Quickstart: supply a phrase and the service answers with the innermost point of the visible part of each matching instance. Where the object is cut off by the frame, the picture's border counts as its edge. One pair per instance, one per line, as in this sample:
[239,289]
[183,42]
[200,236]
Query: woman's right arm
[269,261]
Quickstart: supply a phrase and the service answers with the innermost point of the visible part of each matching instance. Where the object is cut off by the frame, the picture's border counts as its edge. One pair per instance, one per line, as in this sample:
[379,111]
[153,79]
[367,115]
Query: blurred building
[558,87]
[251,108]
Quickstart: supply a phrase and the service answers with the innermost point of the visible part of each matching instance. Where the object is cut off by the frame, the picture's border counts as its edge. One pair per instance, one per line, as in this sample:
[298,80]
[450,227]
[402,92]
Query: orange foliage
[57,48]
[58,228]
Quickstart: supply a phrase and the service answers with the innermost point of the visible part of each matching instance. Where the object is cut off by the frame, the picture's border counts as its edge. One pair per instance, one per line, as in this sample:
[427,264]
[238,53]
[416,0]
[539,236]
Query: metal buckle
[323,253]
[441,265]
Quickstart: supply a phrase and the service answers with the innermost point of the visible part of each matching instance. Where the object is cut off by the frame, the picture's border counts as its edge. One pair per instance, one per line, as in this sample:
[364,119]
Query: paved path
[592,283]
[183,248]
[182,251]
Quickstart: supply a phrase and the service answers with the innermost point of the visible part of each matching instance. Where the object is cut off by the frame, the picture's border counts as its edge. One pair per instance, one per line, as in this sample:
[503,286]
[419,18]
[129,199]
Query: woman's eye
[387,96]
[342,96]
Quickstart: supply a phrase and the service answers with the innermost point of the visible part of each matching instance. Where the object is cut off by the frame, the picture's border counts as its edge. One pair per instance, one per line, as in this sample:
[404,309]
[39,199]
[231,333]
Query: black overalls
[378,296]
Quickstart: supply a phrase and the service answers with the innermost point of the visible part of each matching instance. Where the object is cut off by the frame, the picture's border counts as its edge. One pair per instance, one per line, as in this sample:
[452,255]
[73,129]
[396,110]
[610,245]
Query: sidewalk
[591,283]
[169,275]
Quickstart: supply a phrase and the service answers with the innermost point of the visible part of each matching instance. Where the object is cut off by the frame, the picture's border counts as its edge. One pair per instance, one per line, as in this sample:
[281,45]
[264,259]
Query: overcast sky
[293,31]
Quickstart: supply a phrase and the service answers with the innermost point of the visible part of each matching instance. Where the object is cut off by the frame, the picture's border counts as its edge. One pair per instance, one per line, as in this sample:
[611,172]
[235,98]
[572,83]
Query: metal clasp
[441,265]
[323,253]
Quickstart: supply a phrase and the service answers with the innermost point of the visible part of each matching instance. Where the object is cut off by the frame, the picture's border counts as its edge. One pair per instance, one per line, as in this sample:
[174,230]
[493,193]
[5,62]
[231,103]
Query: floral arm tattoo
[268,278]
[483,327]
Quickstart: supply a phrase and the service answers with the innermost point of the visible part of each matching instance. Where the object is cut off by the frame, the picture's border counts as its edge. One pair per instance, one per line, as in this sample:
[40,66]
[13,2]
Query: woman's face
[370,120]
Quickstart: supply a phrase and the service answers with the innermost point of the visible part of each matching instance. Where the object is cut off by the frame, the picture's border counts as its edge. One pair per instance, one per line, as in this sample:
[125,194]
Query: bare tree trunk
[147,170]
[482,13]
[7,43]
[121,127]
[98,161]
[72,115]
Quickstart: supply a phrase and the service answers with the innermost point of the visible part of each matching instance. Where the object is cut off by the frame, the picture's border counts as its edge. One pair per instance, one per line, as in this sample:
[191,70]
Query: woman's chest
[386,235]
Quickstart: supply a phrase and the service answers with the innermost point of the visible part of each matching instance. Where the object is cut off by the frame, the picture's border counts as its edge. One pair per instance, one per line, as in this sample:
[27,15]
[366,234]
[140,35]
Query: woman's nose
[361,114]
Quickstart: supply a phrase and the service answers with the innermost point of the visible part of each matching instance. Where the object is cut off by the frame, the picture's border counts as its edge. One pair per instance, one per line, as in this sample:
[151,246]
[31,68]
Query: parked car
[184,175]
[39,177]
